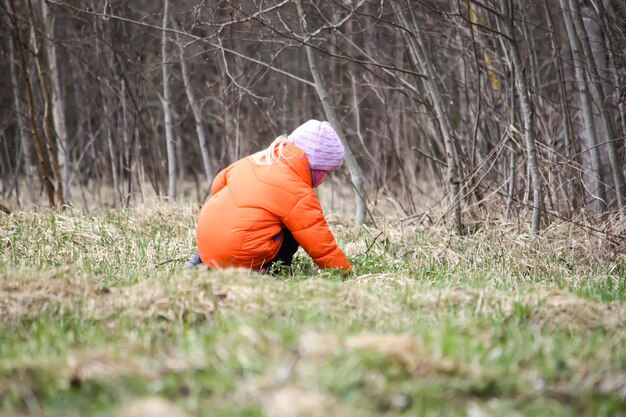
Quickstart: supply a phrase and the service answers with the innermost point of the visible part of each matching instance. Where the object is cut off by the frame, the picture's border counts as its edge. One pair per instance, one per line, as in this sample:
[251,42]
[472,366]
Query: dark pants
[288,248]
[285,254]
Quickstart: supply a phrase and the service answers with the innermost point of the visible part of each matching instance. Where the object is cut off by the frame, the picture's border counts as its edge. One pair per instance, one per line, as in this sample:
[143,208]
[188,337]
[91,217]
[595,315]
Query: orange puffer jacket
[240,225]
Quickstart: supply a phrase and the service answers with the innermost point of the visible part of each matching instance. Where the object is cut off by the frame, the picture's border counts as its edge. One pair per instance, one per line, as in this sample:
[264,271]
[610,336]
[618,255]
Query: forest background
[472,108]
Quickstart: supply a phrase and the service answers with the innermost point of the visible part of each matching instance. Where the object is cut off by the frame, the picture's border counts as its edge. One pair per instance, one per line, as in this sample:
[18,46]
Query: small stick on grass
[371,244]
[169,261]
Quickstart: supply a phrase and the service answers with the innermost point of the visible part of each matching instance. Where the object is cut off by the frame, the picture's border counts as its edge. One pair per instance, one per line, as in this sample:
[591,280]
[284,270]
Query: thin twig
[169,261]
[371,244]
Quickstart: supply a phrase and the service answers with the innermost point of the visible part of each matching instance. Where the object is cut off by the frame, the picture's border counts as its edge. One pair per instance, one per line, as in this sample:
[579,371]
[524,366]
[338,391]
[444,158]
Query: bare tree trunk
[622,111]
[112,148]
[130,144]
[7,184]
[616,60]
[534,93]
[127,155]
[571,190]
[529,122]
[167,111]
[599,193]
[47,100]
[41,159]
[108,116]
[26,150]
[357,117]
[598,97]
[197,116]
[512,185]
[418,56]
[58,111]
[355,170]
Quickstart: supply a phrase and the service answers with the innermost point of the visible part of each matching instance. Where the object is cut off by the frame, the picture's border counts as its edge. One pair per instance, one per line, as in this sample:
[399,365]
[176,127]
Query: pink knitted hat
[320,143]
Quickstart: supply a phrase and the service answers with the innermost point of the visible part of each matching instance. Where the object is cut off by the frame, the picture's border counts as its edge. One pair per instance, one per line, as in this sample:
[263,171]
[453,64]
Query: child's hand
[347,273]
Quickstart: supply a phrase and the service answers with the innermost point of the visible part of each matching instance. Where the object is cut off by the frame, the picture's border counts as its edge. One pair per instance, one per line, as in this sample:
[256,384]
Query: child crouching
[263,207]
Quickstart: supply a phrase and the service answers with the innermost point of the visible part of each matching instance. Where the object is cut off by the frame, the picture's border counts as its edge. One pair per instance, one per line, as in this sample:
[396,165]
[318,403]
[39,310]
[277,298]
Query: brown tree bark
[24,140]
[39,149]
[58,110]
[48,130]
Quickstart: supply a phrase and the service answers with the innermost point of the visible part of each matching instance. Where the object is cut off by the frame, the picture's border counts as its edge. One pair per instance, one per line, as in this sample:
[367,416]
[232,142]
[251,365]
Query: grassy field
[431,324]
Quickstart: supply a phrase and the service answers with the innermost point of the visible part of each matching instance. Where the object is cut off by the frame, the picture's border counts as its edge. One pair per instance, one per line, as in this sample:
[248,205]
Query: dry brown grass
[200,294]
[555,308]
[28,295]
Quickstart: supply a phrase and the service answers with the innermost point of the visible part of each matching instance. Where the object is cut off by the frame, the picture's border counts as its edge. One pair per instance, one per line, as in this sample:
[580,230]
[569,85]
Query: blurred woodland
[517,105]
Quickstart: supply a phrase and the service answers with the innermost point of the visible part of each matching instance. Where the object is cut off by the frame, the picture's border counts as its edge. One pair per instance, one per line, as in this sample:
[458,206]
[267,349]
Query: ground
[94,321]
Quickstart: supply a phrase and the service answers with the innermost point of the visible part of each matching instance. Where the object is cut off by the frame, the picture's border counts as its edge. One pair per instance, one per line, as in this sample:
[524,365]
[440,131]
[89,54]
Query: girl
[263,206]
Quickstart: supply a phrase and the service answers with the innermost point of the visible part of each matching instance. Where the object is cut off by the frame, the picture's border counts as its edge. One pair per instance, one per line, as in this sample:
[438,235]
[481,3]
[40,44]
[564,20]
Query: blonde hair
[272,153]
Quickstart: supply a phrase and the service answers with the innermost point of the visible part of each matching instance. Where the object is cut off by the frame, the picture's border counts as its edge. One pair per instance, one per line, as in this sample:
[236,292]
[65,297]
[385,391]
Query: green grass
[431,323]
